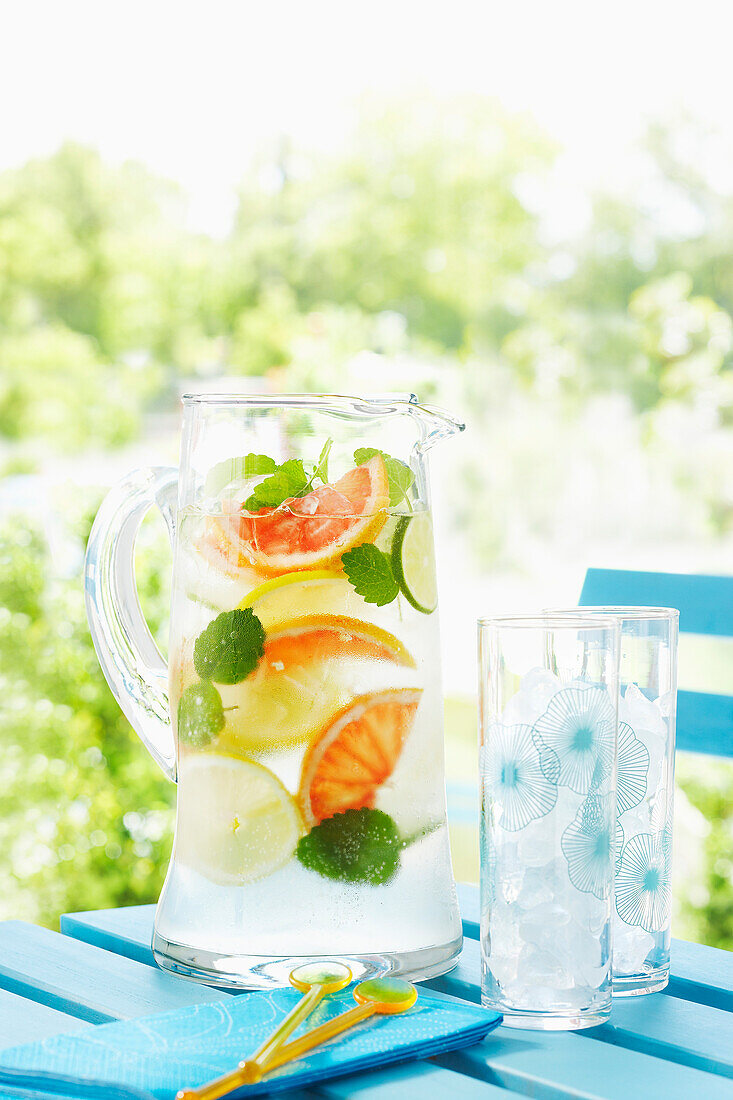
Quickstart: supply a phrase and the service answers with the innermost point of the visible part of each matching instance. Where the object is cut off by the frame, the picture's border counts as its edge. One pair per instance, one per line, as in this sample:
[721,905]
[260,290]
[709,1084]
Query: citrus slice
[299,595]
[413,561]
[301,681]
[311,532]
[355,753]
[236,822]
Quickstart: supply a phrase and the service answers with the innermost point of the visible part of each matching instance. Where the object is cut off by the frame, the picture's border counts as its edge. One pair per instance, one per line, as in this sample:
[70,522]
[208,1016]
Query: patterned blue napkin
[154,1056]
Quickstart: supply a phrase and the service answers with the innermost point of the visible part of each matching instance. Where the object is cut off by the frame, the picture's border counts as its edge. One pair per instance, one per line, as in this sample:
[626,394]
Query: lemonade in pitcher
[305,696]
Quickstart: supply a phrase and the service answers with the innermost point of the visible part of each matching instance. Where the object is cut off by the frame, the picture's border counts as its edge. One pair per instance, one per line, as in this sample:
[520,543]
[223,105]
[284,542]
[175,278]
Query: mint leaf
[237,469]
[200,715]
[288,480]
[399,475]
[370,573]
[356,846]
[321,467]
[230,647]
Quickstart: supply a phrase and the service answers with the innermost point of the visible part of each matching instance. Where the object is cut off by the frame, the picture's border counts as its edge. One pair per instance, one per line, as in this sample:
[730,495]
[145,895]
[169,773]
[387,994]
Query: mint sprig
[289,480]
[399,475]
[237,469]
[200,715]
[370,573]
[230,647]
[355,846]
[321,467]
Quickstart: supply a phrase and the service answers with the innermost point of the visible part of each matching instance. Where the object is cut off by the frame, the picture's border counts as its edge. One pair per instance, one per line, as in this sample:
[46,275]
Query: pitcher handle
[131,661]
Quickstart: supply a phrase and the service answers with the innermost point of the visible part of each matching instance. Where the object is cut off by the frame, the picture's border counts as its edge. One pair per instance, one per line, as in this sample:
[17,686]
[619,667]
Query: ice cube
[630,947]
[641,713]
[536,689]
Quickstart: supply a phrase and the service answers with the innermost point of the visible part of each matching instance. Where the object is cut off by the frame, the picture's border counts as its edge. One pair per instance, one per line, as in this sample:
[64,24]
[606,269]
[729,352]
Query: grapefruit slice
[312,532]
[355,753]
[300,682]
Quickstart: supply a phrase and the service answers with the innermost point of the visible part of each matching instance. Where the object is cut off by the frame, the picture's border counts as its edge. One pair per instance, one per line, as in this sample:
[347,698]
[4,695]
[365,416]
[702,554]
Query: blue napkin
[154,1056]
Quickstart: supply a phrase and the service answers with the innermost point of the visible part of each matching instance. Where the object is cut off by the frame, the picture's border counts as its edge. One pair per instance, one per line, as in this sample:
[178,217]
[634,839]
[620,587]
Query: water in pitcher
[305,691]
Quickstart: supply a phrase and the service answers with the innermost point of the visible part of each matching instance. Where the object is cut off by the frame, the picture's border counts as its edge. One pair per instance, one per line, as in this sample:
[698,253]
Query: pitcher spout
[435,424]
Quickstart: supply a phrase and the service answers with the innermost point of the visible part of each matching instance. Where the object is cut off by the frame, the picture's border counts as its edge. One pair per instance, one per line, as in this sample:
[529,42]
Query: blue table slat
[87,982]
[646,1026]
[553,1065]
[698,973]
[420,1079]
[22,1020]
[667,1027]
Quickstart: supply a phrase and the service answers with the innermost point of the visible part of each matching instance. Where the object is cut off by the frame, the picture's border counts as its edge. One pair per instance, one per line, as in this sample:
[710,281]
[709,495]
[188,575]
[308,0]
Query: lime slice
[236,821]
[413,561]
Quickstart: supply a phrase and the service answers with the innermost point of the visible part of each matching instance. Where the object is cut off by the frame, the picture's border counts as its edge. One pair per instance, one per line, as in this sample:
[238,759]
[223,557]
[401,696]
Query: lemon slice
[236,821]
[413,561]
[298,595]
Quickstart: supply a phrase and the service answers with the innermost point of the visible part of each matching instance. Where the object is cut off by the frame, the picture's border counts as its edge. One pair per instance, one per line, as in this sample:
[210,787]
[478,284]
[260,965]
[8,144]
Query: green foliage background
[424,238]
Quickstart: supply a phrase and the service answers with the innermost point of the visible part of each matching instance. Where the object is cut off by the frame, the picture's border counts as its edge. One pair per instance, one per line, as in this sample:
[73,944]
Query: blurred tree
[87,817]
[425,240]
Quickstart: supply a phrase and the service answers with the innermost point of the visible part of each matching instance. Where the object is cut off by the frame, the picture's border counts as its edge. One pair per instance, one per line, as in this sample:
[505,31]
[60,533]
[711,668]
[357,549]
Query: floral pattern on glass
[633,768]
[579,727]
[588,846]
[643,894]
[514,779]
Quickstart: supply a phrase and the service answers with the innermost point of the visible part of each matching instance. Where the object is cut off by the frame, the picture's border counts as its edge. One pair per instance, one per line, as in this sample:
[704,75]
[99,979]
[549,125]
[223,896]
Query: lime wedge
[413,561]
[236,821]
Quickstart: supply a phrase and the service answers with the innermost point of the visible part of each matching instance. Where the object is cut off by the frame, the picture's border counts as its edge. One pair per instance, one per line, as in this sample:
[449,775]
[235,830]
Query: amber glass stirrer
[315,981]
[377,996]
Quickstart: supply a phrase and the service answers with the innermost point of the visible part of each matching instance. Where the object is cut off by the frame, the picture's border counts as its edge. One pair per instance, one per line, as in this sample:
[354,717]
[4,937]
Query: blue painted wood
[23,1020]
[646,1025]
[705,603]
[462,799]
[85,981]
[705,723]
[698,973]
[667,1027]
[127,931]
[550,1066]
[694,1035]
[423,1080]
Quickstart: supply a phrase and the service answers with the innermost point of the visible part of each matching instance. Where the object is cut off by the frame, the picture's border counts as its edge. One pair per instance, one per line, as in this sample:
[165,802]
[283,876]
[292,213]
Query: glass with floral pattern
[548,698]
[646,746]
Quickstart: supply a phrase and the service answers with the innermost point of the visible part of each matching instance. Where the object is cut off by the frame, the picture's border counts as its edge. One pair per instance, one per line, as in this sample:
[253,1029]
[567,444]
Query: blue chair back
[704,720]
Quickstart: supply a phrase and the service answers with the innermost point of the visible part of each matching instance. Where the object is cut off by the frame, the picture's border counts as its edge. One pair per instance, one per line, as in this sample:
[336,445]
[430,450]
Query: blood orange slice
[312,531]
[355,753]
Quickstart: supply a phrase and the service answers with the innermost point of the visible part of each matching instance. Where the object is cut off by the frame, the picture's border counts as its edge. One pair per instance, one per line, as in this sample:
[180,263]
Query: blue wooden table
[677,1044]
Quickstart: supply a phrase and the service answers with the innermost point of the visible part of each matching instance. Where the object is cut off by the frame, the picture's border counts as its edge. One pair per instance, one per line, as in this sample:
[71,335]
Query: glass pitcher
[301,709]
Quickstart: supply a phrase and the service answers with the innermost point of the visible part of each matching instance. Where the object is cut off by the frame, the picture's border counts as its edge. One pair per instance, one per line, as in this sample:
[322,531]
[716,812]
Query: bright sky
[190,88]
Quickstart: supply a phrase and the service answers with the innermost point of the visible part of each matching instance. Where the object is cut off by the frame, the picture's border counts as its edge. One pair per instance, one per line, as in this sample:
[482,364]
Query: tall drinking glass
[548,695]
[646,747]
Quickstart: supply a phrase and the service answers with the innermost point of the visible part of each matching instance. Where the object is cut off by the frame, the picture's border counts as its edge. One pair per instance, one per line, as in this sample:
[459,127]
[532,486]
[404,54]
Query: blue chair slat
[705,723]
[705,603]
[86,982]
[548,1066]
[22,1020]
